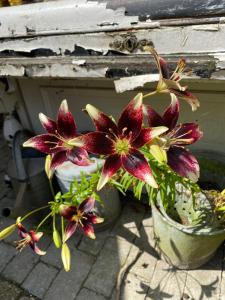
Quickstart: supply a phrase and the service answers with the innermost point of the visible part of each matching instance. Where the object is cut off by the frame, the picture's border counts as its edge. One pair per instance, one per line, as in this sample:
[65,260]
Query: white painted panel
[46,95]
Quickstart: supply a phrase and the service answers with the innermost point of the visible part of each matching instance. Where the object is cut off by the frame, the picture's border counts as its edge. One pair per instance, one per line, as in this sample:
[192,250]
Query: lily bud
[57,238]
[65,255]
[48,170]
[7,231]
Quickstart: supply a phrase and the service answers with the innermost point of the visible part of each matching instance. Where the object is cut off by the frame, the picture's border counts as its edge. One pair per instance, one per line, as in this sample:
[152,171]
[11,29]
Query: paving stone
[39,280]
[205,282]
[145,240]
[53,256]
[21,265]
[9,291]
[132,288]
[143,264]
[6,254]
[67,284]
[93,246]
[129,222]
[166,282]
[87,294]
[104,272]
[27,298]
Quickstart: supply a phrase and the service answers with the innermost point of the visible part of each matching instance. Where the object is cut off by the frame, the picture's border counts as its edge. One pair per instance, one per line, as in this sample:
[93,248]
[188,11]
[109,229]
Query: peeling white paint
[64,16]
[167,40]
[207,27]
[10,70]
[130,83]
[79,62]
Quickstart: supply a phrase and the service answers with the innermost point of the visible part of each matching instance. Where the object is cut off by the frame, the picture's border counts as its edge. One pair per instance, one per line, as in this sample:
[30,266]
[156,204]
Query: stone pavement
[129,245]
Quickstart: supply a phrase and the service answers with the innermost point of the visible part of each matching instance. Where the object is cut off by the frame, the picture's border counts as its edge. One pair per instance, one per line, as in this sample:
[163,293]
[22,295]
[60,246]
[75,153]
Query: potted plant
[188,224]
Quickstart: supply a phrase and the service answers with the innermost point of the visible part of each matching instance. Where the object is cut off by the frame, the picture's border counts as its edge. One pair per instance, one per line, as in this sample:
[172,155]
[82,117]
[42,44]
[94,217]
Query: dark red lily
[120,143]
[29,238]
[175,139]
[55,142]
[81,216]
[170,83]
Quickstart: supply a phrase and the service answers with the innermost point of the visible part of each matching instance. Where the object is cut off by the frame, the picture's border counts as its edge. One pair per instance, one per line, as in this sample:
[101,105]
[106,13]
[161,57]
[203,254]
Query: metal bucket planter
[110,208]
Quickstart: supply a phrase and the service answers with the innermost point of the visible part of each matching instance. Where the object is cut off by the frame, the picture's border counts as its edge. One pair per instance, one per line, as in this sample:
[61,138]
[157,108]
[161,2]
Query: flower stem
[33,211]
[43,221]
[150,94]
[51,188]
[62,225]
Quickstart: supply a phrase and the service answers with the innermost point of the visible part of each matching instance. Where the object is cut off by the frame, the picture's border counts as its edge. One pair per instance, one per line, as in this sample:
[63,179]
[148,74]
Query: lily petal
[49,125]
[93,219]
[35,235]
[87,205]
[161,64]
[36,249]
[136,164]
[88,230]
[186,134]
[69,230]
[183,163]
[58,159]
[154,119]
[187,96]
[66,125]
[171,114]
[46,143]
[147,134]
[132,117]
[111,166]
[67,211]
[78,156]
[102,121]
[95,142]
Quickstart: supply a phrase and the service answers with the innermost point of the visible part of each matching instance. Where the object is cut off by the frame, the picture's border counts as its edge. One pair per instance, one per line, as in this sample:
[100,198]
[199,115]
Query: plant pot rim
[189,229]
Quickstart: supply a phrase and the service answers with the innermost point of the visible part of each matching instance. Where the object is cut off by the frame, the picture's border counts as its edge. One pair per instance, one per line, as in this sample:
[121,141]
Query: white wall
[45,96]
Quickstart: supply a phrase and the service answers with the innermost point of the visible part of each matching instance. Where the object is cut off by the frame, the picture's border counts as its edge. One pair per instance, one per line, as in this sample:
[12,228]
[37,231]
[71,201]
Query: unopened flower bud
[7,231]
[57,238]
[48,170]
[65,255]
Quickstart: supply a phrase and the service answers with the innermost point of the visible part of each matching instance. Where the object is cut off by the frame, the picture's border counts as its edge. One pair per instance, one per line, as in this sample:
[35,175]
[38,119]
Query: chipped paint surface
[78,17]
[36,41]
[130,83]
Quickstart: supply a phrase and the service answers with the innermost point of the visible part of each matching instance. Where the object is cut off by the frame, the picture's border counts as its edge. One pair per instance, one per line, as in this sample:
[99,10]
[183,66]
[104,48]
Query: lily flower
[55,142]
[80,216]
[29,238]
[120,143]
[169,83]
[173,141]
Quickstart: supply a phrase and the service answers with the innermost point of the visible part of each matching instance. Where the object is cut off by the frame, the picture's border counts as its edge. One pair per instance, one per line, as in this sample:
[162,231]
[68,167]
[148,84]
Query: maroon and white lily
[169,83]
[173,142]
[80,216]
[56,141]
[29,238]
[120,143]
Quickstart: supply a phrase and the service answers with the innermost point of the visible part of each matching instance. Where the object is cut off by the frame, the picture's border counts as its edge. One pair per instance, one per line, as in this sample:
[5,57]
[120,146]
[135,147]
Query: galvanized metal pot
[185,247]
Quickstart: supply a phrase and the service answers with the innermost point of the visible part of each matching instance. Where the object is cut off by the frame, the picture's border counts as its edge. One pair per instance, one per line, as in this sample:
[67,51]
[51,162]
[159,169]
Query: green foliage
[82,189]
[164,176]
